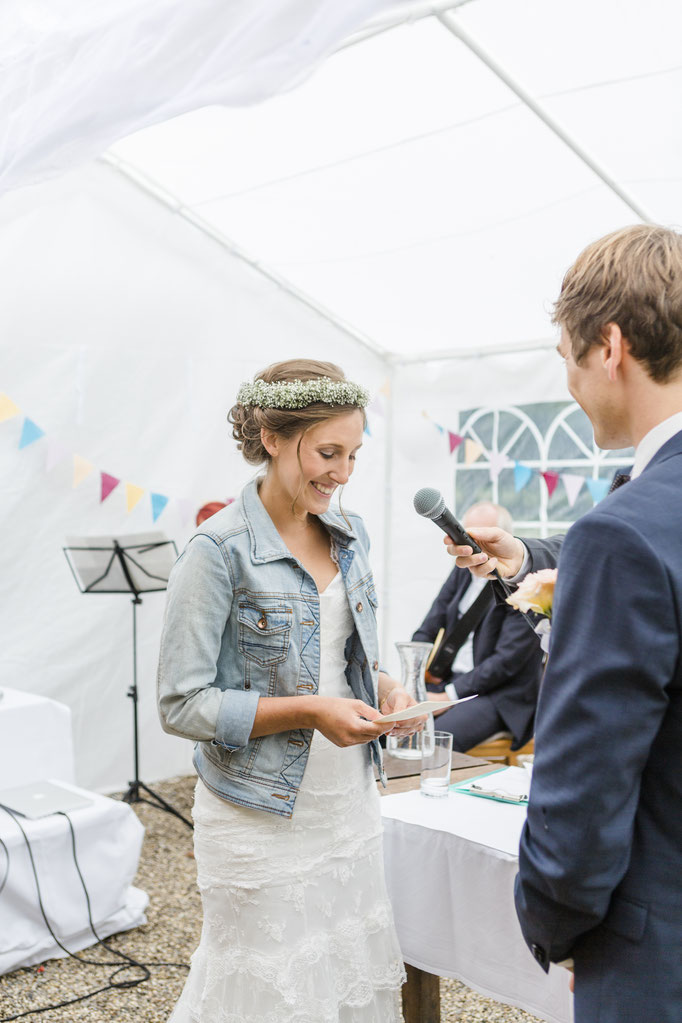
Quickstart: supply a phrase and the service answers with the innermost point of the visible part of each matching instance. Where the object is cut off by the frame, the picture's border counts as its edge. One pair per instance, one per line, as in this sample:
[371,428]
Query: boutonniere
[536,593]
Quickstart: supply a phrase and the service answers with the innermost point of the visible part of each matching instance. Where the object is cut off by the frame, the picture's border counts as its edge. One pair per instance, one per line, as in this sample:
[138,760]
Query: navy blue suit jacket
[600,862]
[507,655]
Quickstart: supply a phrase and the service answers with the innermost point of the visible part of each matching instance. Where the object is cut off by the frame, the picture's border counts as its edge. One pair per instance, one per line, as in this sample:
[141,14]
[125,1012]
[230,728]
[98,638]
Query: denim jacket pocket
[264,632]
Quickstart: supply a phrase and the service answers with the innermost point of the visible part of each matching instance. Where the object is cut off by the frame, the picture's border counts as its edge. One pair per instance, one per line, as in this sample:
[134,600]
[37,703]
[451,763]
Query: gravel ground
[167,873]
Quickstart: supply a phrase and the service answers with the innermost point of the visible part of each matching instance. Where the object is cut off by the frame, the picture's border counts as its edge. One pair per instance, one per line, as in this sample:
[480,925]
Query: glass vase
[413,658]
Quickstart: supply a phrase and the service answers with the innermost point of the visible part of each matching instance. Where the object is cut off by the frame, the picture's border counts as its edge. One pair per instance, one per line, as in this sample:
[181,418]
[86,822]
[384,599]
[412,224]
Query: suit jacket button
[358,606]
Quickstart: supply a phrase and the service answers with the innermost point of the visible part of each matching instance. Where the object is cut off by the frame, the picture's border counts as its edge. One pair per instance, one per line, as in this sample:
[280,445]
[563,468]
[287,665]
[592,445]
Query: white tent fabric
[412,193]
[78,75]
[126,334]
[402,186]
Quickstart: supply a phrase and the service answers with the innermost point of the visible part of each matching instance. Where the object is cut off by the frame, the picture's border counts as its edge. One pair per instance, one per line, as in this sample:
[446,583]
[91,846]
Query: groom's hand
[500,550]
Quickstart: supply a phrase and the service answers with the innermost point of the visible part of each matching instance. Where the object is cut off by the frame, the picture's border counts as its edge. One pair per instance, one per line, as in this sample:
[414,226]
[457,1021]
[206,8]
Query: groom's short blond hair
[632,277]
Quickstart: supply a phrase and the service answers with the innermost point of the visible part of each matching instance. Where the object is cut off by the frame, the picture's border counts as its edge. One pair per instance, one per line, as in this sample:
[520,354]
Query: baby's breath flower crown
[292,394]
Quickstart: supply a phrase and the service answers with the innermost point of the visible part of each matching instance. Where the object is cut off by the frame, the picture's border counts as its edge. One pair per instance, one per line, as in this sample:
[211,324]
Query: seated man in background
[499,657]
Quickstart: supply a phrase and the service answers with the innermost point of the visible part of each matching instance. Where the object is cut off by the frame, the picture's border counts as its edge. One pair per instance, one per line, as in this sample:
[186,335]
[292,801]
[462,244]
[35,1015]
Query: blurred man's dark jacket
[507,656]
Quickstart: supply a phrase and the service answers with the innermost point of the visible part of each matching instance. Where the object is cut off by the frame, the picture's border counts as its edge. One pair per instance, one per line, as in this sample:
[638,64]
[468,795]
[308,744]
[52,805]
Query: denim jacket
[242,621]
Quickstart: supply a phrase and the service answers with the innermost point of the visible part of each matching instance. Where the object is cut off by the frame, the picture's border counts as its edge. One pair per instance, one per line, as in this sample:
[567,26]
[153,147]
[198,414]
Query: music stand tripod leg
[132,794]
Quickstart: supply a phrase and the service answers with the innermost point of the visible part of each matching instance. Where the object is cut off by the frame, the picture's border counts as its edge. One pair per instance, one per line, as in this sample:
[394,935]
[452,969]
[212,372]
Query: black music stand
[132,564]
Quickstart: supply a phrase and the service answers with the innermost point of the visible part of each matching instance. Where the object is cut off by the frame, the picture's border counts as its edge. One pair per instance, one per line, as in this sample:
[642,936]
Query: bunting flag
[30,432]
[7,408]
[472,451]
[133,496]
[454,440]
[598,488]
[573,485]
[522,476]
[186,508]
[159,502]
[366,430]
[109,483]
[385,388]
[498,461]
[551,479]
[81,469]
[56,453]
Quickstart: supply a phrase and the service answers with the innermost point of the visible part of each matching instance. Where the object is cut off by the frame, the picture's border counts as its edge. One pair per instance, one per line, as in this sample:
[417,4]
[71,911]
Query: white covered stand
[35,744]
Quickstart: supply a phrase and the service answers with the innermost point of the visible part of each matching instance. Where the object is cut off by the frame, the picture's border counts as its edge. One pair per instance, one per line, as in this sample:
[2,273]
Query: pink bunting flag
[551,479]
[454,440]
[109,483]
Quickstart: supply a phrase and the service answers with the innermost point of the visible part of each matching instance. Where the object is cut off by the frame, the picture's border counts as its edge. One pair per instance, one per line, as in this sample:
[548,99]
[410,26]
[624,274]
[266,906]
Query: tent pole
[453,26]
[476,352]
[406,15]
[389,443]
[176,206]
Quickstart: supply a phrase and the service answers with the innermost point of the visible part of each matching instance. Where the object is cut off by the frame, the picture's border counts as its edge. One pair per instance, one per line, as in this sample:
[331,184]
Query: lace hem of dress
[322,979]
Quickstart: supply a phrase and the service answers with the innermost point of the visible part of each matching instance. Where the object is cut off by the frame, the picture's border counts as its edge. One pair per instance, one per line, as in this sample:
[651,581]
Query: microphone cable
[129,962]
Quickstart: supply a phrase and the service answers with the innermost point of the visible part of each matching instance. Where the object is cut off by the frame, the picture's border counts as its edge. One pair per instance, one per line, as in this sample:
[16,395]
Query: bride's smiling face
[311,473]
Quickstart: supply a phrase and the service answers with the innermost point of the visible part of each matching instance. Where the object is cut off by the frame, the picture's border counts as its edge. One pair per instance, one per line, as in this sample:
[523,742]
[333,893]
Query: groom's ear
[612,350]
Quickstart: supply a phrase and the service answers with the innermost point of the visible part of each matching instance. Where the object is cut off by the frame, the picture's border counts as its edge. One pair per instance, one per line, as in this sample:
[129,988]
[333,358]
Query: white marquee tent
[406,210]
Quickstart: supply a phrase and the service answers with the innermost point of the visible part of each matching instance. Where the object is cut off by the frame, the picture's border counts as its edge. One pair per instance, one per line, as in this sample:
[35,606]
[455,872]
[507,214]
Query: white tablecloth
[450,868]
[35,739]
[108,843]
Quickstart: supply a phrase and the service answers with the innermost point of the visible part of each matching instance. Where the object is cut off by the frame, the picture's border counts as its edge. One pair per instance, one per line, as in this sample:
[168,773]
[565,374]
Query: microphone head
[429,502]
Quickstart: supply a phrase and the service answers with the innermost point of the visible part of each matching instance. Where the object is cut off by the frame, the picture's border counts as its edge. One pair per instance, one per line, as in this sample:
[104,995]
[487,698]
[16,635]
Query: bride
[269,661]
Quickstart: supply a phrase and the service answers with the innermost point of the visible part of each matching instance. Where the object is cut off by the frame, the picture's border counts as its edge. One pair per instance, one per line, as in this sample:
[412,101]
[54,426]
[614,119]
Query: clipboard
[468,788]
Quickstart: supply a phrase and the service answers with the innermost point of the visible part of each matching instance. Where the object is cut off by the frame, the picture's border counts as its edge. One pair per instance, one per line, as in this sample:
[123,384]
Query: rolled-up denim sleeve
[198,606]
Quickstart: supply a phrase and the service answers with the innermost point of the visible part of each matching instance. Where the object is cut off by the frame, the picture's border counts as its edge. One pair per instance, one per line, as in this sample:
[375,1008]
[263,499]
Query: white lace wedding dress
[297,923]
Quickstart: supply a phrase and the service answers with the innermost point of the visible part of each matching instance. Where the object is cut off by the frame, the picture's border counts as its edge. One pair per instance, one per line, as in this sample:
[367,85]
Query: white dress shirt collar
[653,441]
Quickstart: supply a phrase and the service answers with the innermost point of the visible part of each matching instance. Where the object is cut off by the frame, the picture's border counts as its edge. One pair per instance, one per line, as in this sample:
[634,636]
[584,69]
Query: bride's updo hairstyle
[247,420]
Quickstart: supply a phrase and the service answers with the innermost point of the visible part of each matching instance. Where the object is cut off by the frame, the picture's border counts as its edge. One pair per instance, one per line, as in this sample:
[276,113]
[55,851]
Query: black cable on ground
[129,962]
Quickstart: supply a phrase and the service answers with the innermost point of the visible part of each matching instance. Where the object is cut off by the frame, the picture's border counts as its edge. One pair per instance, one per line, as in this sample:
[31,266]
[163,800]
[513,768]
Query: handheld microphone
[430,503]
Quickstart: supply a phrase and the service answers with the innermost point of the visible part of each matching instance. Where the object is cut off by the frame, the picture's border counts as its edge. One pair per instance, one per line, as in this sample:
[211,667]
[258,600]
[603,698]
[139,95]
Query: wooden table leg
[421,996]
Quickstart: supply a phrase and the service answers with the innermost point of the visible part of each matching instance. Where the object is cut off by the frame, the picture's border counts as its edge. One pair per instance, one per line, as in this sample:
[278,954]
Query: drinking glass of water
[435,769]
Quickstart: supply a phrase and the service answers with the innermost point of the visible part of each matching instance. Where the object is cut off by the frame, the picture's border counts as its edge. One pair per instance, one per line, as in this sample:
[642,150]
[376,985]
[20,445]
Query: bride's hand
[399,699]
[346,722]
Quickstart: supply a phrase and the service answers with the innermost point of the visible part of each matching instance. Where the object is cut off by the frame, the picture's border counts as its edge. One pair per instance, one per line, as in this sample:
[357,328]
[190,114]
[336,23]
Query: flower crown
[292,394]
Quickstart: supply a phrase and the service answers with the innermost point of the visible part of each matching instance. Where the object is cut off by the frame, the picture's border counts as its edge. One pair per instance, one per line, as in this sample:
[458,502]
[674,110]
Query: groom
[600,863]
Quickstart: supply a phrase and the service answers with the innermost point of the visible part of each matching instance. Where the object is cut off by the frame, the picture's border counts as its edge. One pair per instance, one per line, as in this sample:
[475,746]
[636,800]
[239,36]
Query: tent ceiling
[409,191]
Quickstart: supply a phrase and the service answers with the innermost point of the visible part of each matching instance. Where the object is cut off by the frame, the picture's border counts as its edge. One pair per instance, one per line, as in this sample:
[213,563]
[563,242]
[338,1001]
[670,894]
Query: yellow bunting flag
[133,495]
[472,451]
[385,388]
[81,469]
[7,408]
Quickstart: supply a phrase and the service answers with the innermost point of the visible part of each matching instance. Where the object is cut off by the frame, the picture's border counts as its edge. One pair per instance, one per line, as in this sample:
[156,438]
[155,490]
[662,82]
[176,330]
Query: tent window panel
[544,436]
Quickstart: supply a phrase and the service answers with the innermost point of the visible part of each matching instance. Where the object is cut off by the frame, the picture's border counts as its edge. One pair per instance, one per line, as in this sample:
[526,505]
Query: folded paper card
[427,707]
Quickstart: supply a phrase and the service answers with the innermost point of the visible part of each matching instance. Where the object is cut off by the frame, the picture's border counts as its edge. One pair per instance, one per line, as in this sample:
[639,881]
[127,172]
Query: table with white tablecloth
[35,739]
[450,868]
[108,842]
